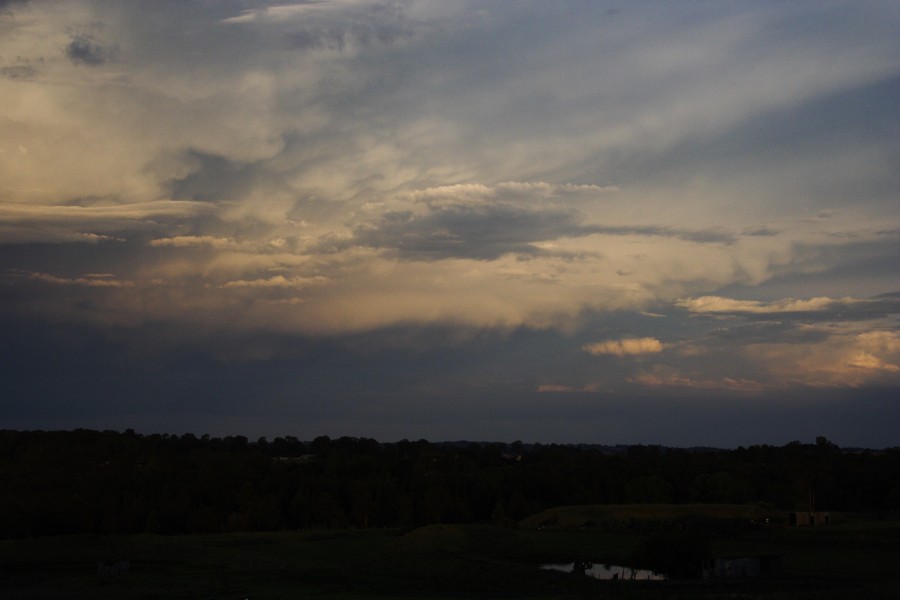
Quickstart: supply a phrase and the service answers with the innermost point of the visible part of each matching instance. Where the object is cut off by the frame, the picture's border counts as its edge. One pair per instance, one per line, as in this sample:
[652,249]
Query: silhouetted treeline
[110,482]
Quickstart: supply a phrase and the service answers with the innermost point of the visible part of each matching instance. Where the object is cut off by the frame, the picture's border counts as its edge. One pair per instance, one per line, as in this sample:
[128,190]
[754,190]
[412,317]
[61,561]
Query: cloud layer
[683,197]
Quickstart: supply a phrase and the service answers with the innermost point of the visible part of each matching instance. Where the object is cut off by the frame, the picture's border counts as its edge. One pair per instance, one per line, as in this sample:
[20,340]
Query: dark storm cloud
[884,305]
[84,50]
[89,219]
[488,231]
[482,232]
[213,178]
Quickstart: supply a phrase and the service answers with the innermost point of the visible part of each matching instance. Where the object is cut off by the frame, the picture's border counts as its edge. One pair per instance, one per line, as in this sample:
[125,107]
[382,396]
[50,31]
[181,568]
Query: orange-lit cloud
[844,359]
[625,347]
[278,281]
[670,378]
[185,241]
[719,304]
[556,388]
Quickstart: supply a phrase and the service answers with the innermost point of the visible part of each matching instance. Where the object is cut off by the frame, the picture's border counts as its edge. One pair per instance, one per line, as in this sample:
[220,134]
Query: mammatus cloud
[624,347]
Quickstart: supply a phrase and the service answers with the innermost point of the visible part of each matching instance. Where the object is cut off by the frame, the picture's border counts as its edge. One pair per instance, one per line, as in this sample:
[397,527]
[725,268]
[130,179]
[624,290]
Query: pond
[604,571]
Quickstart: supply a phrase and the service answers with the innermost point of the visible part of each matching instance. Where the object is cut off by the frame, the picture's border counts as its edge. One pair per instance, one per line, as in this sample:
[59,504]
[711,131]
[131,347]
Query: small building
[809,519]
[741,566]
[113,568]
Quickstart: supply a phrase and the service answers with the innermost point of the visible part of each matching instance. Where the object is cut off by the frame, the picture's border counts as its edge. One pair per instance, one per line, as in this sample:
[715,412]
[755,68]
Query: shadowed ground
[852,559]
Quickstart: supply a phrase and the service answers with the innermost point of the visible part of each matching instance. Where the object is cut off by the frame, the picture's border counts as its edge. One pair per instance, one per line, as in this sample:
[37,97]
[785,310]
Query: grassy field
[600,515]
[851,559]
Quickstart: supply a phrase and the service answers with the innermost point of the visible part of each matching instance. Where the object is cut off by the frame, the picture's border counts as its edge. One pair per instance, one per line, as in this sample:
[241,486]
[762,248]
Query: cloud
[30,222]
[19,72]
[624,347]
[330,171]
[278,281]
[700,236]
[331,25]
[484,232]
[5,4]
[474,220]
[819,308]
[282,12]
[791,343]
[718,304]
[783,331]
[85,51]
[555,388]
[11,212]
[186,241]
[478,193]
[98,280]
[845,359]
[669,378]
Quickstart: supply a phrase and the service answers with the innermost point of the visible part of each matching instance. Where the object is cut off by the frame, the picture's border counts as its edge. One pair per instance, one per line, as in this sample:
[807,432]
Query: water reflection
[602,571]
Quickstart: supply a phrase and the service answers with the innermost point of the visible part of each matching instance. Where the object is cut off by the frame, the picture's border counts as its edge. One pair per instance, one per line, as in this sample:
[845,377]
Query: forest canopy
[84,481]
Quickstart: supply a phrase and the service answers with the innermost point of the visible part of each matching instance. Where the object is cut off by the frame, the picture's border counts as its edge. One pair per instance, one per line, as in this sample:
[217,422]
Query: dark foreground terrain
[853,558]
[89,514]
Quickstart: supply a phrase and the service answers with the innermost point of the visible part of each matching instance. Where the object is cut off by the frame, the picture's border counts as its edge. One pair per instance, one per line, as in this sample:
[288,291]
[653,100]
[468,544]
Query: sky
[608,222]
